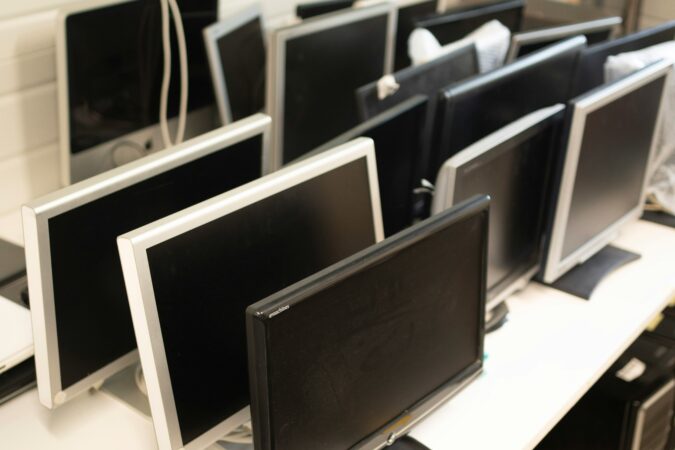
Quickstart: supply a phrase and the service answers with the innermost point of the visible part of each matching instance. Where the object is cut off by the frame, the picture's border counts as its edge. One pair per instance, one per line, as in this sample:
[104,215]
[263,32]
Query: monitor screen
[400,137]
[470,110]
[407,17]
[591,71]
[456,24]
[240,249]
[514,166]
[307,10]
[426,79]
[91,316]
[114,69]
[343,355]
[324,61]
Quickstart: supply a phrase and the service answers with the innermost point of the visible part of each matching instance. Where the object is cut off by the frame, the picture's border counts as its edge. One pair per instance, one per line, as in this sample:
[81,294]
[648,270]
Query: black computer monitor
[408,15]
[354,356]
[610,140]
[314,69]
[456,24]
[81,319]
[426,79]
[472,109]
[236,51]
[591,71]
[201,269]
[110,63]
[401,145]
[514,166]
[312,9]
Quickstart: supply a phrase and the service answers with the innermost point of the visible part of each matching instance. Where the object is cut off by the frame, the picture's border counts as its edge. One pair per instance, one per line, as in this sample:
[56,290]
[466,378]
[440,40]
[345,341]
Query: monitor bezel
[561,32]
[212,34]
[266,309]
[276,61]
[133,249]
[556,265]
[448,177]
[36,216]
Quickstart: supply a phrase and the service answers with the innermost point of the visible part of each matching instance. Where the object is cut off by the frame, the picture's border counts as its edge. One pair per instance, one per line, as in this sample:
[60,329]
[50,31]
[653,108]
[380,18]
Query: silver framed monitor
[90,142]
[182,419]
[542,37]
[58,235]
[610,145]
[300,36]
[512,165]
[251,17]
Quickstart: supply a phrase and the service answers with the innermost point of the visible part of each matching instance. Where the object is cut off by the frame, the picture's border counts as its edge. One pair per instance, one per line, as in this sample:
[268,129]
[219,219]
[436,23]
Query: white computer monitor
[81,321]
[191,276]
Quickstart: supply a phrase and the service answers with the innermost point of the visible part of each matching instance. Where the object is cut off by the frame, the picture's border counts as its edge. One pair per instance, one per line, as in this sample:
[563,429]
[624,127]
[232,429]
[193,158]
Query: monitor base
[584,278]
[407,443]
[496,317]
[659,217]
[123,387]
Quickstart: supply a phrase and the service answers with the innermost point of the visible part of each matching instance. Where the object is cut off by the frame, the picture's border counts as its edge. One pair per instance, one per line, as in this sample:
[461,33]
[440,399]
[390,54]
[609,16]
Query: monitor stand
[584,278]
[496,317]
[659,217]
[123,386]
[407,443]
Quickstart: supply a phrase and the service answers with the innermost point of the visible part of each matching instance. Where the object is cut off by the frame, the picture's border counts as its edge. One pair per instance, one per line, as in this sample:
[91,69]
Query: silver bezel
[36,217]
[447,179]
[212,34]
[556,265]
[276,63]
[133,254]
[561,32]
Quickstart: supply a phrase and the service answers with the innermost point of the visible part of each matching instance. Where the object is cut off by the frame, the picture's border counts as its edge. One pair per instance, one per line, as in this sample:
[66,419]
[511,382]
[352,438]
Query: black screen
[591,71]
[612,165]
[453,26]
[307,10]
[242,57]
[471,110]
[407,17]
[516,175]
[323,69]
[114,62]
[351,355]
[204,280]
[426,79]
[92,312]
[591,39]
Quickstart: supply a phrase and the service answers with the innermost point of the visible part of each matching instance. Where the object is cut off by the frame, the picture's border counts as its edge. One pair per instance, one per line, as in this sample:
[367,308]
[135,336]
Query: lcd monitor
[191,277]
[596,31]
[312,9]
[470,110]
[610,141]
[409,12]
[456,24]
[514,166]
[236,53]
[81,322]
[426,79]
[109,62]
[354,356]
[314,69]
[401,145]
[591,71]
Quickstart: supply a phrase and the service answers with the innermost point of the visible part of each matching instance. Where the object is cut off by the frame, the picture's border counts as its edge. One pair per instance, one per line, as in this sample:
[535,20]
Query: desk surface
[550,352]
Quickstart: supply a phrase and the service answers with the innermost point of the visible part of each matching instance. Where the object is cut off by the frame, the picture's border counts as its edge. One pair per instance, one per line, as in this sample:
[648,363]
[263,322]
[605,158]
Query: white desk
[551,351]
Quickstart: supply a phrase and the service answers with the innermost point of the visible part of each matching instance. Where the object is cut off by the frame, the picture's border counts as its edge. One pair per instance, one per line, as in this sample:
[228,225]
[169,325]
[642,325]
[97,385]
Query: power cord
[140,380]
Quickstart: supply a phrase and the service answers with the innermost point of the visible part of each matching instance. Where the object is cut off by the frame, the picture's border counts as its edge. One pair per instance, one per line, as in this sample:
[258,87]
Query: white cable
[140,380]
[166,76]
[183,61]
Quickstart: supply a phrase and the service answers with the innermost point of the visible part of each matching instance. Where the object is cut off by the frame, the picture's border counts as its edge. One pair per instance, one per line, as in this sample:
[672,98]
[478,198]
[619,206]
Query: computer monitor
[401,145]
[81,321]
[312,9]
[236,52]
[472,109]
[409,12]
[191,276]
[109,65]
[314,69]
[514,166]
[426,79]
[609,145]
[596,31]
[456,24]
[591,71]
[356,355]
